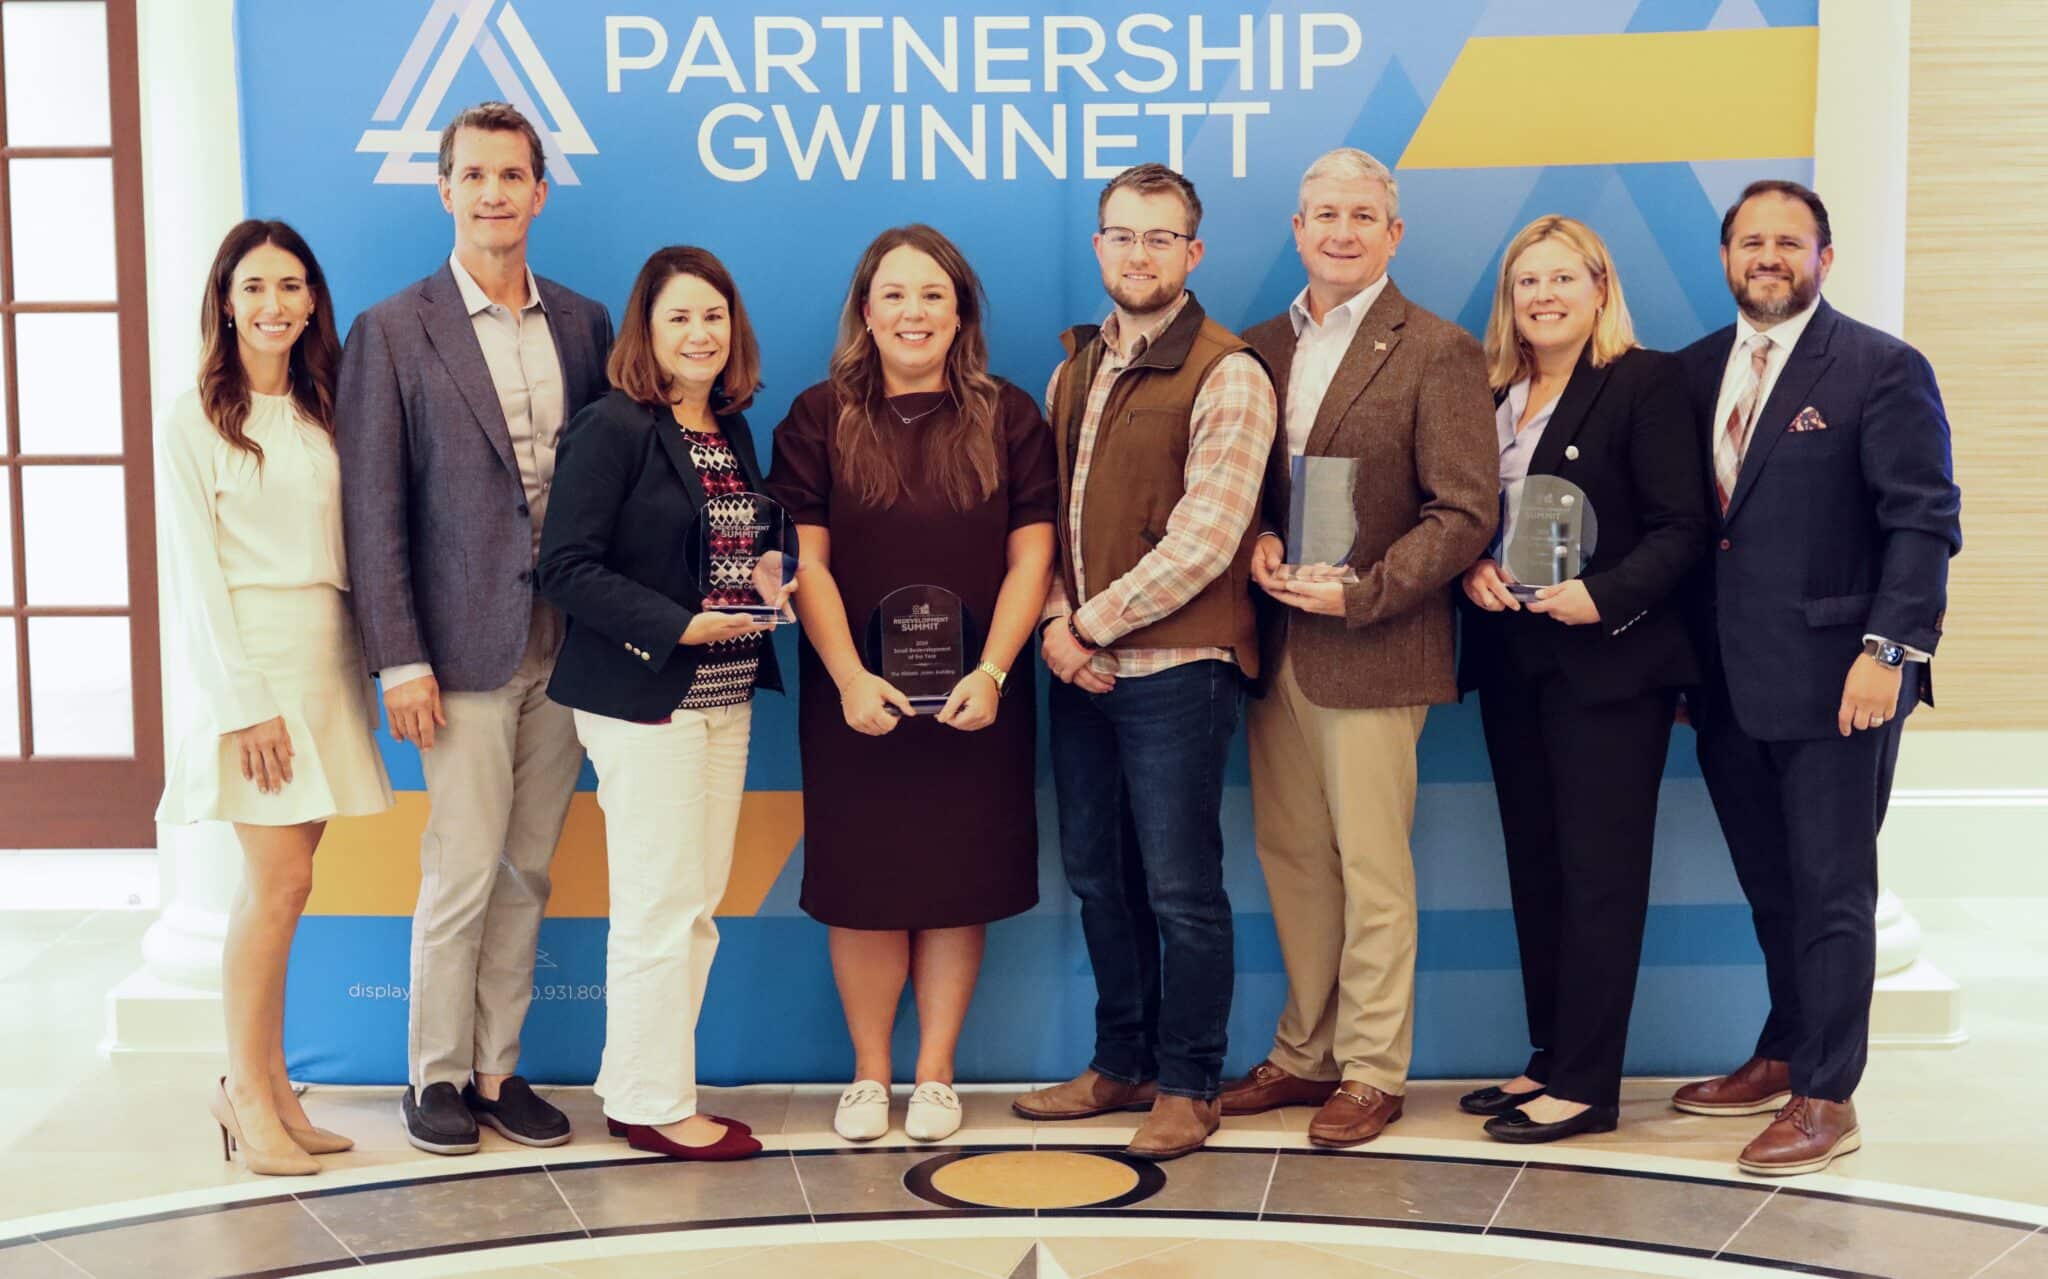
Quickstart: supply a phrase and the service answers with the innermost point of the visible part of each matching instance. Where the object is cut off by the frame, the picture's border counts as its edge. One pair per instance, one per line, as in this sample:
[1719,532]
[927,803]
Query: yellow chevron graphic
[371,865]
[1516,101]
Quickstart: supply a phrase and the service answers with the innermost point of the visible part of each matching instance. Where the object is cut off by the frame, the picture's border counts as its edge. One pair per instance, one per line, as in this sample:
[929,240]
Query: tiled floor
[85,1137]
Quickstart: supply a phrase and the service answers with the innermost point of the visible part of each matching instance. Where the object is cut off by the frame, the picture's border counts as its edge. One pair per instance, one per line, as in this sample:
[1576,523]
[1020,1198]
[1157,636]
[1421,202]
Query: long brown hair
[223,383]
[633,367]
[959,454]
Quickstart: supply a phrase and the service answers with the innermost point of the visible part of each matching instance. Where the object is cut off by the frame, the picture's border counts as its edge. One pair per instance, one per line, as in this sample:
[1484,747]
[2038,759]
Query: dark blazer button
[1727,545]
[523,510]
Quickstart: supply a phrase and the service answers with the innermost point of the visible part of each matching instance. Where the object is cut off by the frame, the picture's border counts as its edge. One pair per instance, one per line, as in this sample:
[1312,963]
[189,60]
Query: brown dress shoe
[1807,1136]
[1269,1087]
[1354,1113]
[1177,1126]
[1088,1094]
[1757,1087]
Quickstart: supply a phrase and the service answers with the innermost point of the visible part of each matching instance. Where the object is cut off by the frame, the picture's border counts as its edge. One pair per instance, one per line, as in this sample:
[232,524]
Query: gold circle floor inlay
[1035,1179]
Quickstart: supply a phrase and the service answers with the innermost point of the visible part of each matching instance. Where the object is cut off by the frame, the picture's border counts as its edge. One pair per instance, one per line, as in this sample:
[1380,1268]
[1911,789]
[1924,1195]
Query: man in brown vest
[1353,667]
[1163,421]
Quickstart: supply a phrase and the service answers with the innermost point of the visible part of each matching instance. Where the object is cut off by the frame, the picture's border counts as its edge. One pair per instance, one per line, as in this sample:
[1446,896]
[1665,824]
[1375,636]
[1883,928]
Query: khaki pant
[499,781]
[1333,795]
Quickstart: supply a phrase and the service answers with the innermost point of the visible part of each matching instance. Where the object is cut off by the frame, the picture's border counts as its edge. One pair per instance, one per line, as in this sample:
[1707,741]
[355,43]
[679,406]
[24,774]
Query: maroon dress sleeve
[1033,474]
[800,471]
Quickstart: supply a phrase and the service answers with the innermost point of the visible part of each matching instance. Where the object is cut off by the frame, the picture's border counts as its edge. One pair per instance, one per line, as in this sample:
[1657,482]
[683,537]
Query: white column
[1860,168]
[192,193]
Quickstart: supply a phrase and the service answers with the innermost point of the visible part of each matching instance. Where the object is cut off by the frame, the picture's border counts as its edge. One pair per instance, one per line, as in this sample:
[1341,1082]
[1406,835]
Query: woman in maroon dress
[911,465]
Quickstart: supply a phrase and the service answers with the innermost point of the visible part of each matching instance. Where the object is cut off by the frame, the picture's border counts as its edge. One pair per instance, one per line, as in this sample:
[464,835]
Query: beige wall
[1977,305]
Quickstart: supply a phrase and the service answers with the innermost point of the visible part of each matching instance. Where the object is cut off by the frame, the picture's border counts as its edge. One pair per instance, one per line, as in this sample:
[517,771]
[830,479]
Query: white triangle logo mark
[411,148]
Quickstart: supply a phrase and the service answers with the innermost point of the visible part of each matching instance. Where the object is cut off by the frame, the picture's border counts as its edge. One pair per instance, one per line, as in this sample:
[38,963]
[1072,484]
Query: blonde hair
[1507,359]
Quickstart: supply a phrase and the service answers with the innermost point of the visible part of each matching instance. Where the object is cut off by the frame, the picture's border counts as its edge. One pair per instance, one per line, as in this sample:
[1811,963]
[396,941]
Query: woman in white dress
[249,493]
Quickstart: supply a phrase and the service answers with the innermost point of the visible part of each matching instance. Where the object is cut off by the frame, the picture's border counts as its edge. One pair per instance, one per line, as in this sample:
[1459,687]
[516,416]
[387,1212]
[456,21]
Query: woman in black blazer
[660,679]
[1577,686]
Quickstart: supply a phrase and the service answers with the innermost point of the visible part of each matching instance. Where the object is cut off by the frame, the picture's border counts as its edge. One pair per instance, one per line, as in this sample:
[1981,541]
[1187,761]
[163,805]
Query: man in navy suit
[453,391]
[1816,616]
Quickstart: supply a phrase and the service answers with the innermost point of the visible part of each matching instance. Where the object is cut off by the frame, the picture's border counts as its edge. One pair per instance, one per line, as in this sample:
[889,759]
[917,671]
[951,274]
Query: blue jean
[1139,774]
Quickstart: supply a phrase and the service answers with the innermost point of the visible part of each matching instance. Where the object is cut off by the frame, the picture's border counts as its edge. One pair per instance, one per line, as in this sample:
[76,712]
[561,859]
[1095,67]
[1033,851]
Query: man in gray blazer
[452,394]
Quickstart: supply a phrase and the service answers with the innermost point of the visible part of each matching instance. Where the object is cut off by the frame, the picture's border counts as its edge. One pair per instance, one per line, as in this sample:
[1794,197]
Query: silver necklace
[920,417]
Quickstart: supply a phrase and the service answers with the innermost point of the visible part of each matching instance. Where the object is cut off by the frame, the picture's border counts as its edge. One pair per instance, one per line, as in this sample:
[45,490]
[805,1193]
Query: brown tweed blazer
[1410,400]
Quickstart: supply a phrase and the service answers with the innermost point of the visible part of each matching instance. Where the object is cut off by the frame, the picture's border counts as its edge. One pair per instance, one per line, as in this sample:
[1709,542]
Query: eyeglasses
[1159,240]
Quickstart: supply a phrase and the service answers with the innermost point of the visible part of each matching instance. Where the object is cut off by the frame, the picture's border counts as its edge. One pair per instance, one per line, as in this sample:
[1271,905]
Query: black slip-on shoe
[518,1114]
[437,1122]
[1494,1100]
[1516,1128]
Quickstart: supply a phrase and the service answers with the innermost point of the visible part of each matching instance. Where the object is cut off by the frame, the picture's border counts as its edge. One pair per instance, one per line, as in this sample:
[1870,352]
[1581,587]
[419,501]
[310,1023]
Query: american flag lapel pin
[1379,346]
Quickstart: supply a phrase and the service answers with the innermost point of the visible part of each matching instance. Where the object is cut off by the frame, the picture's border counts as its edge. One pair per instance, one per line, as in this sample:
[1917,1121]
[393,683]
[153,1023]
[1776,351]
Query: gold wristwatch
[994,672]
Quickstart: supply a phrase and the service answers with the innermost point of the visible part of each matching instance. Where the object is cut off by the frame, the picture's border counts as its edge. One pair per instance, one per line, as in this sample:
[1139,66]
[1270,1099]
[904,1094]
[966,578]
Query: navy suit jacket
[1830,533]
[612,558]
[440,544]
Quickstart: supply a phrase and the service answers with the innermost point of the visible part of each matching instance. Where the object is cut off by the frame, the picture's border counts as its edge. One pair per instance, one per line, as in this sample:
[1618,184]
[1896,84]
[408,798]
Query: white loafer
[934,1112]
[863,1111]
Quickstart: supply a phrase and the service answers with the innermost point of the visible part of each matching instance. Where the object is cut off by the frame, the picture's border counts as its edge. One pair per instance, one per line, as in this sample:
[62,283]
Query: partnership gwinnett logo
[456,28]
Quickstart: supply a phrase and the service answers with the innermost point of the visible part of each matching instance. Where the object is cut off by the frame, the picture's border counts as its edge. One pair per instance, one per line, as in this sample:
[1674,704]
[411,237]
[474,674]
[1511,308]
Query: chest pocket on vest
[1144,456]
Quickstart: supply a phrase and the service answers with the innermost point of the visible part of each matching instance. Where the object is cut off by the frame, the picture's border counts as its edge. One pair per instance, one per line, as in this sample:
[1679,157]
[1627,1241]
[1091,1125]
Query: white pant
[671,800]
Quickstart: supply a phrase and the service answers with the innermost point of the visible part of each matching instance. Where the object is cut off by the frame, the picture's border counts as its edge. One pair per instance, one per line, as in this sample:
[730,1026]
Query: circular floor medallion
[1027,1180]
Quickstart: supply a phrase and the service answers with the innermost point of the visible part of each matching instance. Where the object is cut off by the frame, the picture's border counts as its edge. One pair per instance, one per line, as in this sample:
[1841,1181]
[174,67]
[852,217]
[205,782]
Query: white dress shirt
[1783,336]
[1319,348]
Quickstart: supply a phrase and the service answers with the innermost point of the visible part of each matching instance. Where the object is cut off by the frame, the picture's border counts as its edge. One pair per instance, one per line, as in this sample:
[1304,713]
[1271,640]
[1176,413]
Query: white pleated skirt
[304,643]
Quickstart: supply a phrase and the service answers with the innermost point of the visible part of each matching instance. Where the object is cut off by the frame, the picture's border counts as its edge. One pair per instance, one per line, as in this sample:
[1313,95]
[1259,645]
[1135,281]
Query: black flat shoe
[1492,1100]
[518,1114]
[1517,1128]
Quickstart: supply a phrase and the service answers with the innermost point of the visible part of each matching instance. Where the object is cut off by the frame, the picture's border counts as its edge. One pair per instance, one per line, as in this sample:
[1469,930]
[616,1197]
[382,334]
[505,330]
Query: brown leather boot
[1756,1087]
[1807,1136]
[1087,1094]
[1356,1112]
[1177,1126]
[1269,1087]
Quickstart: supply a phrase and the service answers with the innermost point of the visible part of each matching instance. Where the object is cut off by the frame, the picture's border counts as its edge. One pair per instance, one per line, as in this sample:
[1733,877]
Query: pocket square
[1809,419]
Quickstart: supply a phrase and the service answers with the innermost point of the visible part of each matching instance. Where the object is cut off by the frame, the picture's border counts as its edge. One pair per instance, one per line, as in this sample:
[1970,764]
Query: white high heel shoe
[934,1112]
[863,1111]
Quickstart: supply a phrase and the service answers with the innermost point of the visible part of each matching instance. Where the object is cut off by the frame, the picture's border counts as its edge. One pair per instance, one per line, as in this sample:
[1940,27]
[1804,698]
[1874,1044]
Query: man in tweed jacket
[1351,668]
[452,393]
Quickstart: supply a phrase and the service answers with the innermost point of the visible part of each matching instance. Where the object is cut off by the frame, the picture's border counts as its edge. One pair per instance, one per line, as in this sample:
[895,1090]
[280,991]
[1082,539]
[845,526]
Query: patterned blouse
[725,676]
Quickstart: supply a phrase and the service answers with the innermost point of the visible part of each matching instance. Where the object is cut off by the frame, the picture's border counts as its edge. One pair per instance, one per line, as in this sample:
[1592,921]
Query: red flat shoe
[732,1145]
[617,1129]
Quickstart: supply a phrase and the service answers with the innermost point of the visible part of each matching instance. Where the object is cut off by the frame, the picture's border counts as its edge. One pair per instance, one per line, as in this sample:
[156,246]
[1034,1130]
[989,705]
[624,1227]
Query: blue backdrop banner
[784,138]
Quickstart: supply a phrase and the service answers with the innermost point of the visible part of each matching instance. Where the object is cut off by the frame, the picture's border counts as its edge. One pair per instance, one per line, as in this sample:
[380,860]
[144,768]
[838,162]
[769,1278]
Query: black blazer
[1831,533]
[1630,432]
[612,558]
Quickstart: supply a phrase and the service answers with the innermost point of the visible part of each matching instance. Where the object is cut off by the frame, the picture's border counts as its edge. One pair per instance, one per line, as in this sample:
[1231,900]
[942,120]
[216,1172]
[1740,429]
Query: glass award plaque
[743,550]
[1553,535]
[917,640]
[1322,524]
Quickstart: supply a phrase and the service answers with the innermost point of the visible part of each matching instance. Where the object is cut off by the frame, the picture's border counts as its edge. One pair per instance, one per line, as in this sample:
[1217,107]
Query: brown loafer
[1177,1126]
[1268,1087]
[1087,1094]
[1757,1087]
[1807,1136]
[1355,1113]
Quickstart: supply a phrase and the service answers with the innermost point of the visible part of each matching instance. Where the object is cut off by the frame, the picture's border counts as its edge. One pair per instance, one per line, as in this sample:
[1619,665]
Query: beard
[1150,301]
[1762,308]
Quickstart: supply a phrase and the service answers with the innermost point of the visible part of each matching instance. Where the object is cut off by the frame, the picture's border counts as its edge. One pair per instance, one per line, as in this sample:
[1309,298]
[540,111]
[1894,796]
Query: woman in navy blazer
[660,678]
[1577,686]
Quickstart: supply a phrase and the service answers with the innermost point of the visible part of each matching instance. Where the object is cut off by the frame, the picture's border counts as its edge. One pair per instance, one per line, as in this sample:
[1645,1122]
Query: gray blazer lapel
[453,338]
[571,335]
[1378,334]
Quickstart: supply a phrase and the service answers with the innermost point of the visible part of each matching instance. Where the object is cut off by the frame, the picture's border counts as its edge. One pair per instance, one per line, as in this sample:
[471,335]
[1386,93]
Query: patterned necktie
[1733,439]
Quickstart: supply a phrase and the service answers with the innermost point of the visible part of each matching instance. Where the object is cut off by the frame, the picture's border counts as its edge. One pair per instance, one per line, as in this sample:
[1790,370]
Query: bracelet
[1080,639]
